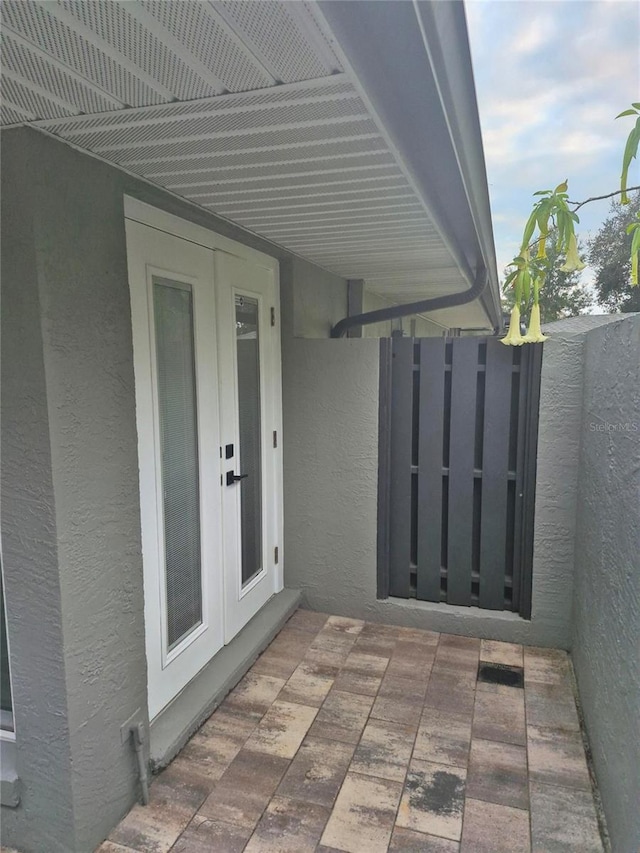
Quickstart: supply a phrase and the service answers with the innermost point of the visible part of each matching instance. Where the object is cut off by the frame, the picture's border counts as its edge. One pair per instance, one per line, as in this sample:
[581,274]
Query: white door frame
[225,253]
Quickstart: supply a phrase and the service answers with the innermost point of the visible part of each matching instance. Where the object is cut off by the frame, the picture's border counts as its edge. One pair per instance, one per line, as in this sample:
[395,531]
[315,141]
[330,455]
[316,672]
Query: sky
[550,76]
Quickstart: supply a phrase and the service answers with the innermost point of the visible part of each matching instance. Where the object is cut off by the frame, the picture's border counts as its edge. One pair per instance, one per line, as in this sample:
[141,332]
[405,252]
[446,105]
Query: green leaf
[562,237]
[637,106]
[635,251]
[517,286]
[526,283]
[542,217]
[630,152]
[509,279]
[530,227]
[628,113]
[543,192]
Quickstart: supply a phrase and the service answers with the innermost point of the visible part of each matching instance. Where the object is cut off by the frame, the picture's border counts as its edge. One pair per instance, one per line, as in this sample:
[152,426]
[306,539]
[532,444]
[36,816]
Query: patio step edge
[173,727]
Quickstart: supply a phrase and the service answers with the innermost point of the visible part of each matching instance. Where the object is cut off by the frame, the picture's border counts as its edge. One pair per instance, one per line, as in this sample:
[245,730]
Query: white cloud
[533,36]
[550,78]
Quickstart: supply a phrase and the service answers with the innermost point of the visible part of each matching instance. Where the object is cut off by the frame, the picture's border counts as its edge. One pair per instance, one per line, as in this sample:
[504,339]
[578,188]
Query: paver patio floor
[360,737]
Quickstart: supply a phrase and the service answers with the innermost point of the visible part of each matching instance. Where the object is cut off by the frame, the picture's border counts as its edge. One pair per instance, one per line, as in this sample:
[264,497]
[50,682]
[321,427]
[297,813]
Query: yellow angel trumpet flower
[542,246]
[573,261]
[513,338]
[534,332]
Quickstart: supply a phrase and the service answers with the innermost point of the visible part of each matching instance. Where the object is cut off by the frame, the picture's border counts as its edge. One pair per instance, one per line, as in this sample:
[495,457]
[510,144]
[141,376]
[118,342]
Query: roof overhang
[412,59]
[346,132]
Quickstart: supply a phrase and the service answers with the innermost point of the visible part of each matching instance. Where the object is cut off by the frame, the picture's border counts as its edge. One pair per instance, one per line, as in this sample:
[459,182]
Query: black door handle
[233,478]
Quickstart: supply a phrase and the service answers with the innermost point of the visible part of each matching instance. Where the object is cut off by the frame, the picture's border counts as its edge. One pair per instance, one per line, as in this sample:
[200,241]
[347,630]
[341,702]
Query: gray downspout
[137,736]
[433,304]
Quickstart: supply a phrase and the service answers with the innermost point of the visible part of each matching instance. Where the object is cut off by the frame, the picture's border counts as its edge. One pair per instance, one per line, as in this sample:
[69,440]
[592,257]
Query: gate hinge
[273,316]
[275,438]
[275,555]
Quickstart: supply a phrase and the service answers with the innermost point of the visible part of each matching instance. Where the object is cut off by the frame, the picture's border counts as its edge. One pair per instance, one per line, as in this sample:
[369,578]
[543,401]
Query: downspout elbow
[437,303]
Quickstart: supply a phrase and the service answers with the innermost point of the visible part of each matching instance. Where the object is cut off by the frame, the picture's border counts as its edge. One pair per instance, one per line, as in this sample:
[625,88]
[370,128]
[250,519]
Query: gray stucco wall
[71,208]
[606,615]
[29,537]
[312,299]
[331,462]
[71,530]
[423,328]
[330,407]
[85,315]
[586,588]
[71,541]
[556,489]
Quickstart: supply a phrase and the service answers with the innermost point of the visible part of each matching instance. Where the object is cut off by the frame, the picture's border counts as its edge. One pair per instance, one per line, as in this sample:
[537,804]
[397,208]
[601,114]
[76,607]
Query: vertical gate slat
[432,368]
[495,465]
[519,518]
[530,373]
[461,457]
[384,466]
[400,490]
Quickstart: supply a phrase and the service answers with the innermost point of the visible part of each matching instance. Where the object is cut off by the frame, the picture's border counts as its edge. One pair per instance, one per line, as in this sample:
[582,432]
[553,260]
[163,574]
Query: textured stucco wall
[29,536]
[331,462]
[606,616]
[74,218]
[556,488]
[71,538]
[313,300]
[423,328]
[71,530]
[85,315]
[330,406]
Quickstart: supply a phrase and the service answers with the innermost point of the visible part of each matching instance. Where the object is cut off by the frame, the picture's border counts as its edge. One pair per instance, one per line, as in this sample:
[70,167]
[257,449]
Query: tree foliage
[609,255]
[553,211]
[551,214]
[563,295]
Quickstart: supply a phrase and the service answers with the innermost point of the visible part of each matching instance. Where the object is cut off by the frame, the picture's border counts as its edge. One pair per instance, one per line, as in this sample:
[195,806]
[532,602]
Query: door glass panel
[177,406]
[250,461]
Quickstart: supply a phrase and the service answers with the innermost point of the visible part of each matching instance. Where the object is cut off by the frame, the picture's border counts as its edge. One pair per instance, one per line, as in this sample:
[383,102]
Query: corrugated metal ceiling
[240,107]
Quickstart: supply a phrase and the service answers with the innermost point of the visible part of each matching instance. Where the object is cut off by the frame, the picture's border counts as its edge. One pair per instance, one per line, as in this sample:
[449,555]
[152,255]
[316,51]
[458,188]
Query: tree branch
[578,204]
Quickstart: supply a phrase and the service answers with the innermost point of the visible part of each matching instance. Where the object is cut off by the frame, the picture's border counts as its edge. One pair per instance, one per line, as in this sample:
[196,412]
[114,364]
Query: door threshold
[175,724]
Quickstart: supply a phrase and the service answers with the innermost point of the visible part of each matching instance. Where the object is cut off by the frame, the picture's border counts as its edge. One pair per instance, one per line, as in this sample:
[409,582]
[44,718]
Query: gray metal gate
[458,436]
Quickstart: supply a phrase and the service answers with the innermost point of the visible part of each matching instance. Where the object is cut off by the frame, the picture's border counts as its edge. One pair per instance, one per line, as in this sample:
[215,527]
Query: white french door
[249,411]
[207,372]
